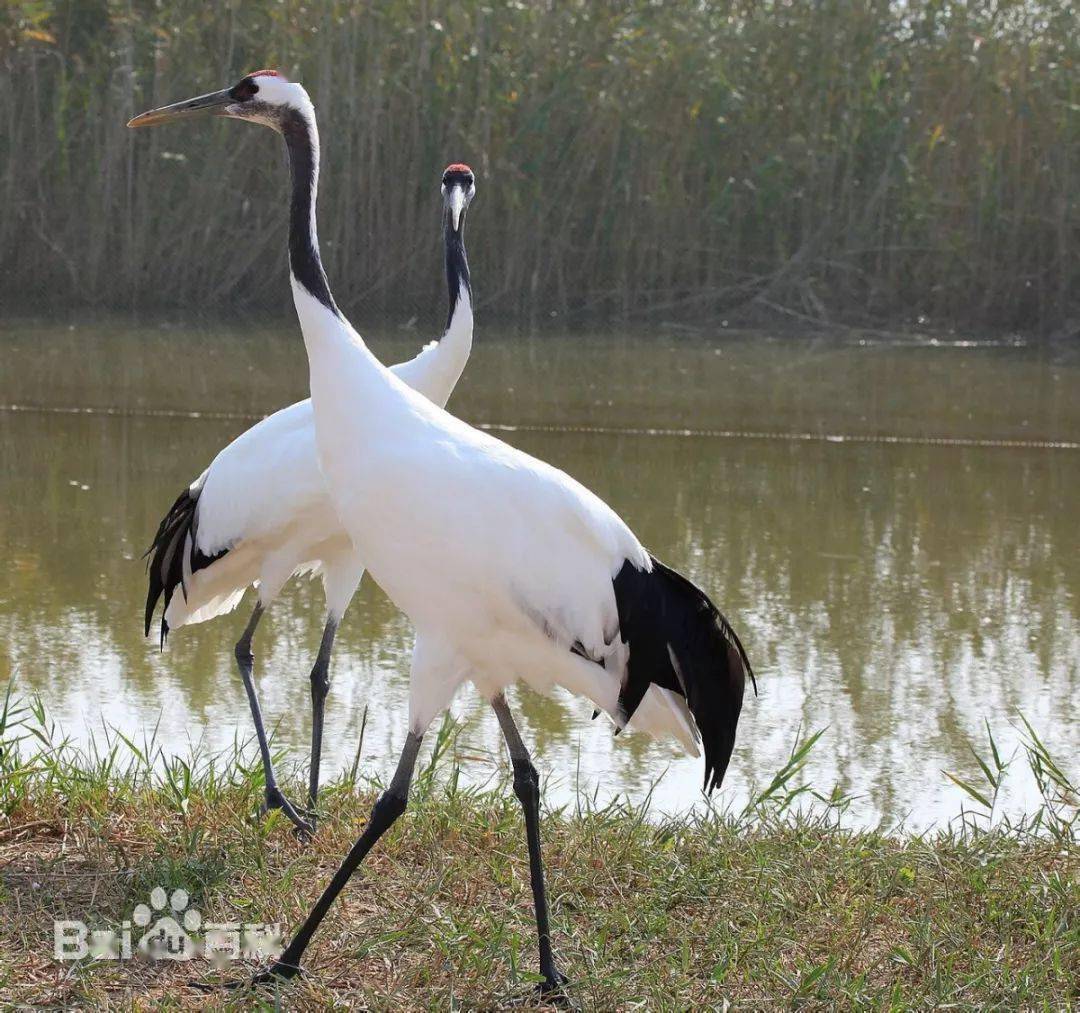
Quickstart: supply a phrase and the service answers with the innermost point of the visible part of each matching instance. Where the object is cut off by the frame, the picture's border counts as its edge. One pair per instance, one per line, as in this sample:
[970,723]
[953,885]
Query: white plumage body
[264,499]
[502,562]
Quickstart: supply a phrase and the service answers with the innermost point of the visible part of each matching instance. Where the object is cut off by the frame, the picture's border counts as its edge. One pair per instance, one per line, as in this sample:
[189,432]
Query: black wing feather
[166,566]
[679,640]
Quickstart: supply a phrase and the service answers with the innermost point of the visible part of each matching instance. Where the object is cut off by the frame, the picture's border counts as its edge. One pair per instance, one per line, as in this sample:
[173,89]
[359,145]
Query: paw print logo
[167,938]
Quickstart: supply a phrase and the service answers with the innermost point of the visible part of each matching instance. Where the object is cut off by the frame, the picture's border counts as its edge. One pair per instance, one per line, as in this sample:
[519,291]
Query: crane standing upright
[509,569]
[261,513]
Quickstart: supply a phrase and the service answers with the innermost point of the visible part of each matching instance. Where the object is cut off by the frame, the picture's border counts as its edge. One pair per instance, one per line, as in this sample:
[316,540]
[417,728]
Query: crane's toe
[549,992]
[304,828]
[275,973]
[554,983]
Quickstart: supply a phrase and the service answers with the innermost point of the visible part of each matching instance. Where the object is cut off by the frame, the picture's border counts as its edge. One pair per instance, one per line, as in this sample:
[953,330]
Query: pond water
[891,525]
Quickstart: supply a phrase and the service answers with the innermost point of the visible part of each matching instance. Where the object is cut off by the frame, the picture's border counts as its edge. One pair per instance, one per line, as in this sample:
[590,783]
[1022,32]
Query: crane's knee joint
[526,780]
[320,684]
[243,653]
[387,809]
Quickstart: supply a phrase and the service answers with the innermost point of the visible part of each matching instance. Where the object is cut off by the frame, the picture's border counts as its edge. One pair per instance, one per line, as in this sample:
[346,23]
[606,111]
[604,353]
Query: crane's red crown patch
[267,73]
[458,167]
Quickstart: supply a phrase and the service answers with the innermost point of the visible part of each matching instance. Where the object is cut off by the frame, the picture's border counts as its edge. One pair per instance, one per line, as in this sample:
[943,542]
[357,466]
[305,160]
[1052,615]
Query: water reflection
[898,594]
[746,382]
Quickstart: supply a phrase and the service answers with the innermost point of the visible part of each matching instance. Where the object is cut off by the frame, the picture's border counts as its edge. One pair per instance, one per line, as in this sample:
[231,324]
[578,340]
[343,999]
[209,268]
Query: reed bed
[835,161]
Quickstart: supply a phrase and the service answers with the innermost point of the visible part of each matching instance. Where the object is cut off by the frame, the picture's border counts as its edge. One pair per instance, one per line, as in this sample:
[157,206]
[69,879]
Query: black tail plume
[679,641]
[166,566]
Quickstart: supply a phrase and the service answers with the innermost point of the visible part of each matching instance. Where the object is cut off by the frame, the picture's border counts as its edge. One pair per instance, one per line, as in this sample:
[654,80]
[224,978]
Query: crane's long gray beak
[455,201]
[213,104]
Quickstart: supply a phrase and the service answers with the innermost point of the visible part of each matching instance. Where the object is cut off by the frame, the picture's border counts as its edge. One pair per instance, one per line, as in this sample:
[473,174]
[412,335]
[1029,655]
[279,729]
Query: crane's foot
[303,828]
[276,972]
[551,992]
[553,988]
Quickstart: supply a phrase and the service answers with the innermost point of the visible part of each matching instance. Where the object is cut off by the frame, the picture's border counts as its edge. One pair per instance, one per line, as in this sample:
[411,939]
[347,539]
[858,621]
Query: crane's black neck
[301,138]
[457,266]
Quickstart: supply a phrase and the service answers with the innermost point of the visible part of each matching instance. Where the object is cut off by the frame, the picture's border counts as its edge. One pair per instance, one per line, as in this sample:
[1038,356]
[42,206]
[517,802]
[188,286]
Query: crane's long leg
[320,686]
[527,789]
[389,807]
[245,660]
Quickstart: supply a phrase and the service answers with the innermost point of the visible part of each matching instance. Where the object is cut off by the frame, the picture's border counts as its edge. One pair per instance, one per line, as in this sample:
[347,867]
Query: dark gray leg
[527,789]
[320,686]
[245,660]
[389,807]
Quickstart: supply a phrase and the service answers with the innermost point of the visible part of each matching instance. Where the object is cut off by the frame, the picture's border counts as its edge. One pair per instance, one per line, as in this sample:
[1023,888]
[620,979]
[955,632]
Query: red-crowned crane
[510,569]
[261,513]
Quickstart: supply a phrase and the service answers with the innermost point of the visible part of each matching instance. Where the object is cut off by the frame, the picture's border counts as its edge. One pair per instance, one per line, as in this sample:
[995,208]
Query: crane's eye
[245,90]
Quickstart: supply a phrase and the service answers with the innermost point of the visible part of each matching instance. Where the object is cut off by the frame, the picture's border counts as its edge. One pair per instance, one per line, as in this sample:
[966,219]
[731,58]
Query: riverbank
[764,908]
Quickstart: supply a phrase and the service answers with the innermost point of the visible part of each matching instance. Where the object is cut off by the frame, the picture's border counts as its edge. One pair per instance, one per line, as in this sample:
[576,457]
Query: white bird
[509,569]
[261,513]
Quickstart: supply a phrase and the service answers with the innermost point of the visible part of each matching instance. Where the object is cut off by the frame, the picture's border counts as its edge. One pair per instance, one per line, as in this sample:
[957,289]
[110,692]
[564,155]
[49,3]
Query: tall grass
[835,160]
[37,759]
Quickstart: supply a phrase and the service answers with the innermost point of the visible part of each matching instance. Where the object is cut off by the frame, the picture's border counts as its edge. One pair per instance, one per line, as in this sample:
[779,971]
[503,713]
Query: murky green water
[896,592]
